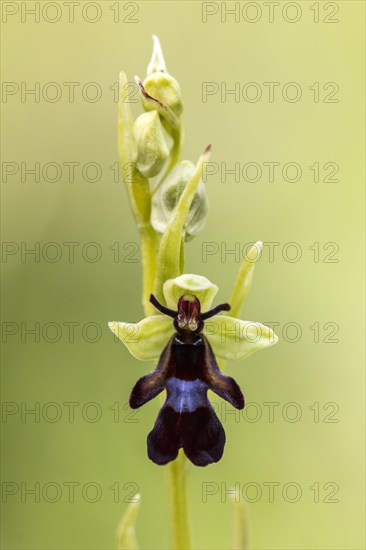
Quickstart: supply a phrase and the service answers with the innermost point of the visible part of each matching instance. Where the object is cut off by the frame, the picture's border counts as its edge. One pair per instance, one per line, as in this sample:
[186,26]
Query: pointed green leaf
[126,143]
[138,187]
[126,536]
[243,280]
[169,251]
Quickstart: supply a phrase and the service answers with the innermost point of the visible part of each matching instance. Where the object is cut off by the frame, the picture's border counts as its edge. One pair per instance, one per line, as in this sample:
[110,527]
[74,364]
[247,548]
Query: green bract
[165,201]
[171,250]
[230,338]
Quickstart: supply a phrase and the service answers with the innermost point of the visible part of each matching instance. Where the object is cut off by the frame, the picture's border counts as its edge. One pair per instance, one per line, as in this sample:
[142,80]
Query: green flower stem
[239,540]
[176,470]
[174,156]
[177,486]
[175,152]
[177,481]
[162,261]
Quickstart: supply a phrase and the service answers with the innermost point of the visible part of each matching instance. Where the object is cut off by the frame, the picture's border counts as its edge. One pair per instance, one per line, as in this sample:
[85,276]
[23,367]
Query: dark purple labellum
[187,369]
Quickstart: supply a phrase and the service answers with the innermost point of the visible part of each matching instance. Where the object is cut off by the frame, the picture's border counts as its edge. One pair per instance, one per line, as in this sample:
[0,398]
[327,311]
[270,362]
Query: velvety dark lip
[187,369]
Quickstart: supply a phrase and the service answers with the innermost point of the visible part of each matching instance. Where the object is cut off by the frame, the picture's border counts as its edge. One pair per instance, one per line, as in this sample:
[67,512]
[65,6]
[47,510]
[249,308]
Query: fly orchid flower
[187,367]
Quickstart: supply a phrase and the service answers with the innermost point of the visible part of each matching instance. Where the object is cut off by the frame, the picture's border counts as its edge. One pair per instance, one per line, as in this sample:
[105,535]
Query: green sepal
[147,339]
[188,283]
[233,338]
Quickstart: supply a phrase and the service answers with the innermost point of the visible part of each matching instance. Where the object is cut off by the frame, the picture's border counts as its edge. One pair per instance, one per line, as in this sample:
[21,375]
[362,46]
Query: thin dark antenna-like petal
[215,311]
[162,308]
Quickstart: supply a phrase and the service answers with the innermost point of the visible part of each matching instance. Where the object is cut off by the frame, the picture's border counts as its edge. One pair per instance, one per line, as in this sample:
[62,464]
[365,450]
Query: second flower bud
[167,196]
[152,146]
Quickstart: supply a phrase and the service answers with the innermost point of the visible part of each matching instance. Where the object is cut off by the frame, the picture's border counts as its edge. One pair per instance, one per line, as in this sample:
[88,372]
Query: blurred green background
[320,369]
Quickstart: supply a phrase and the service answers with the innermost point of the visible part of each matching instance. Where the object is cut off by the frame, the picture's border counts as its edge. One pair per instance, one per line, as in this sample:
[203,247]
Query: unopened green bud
[165,88]
[159,84]
[152,147]
[167,196]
